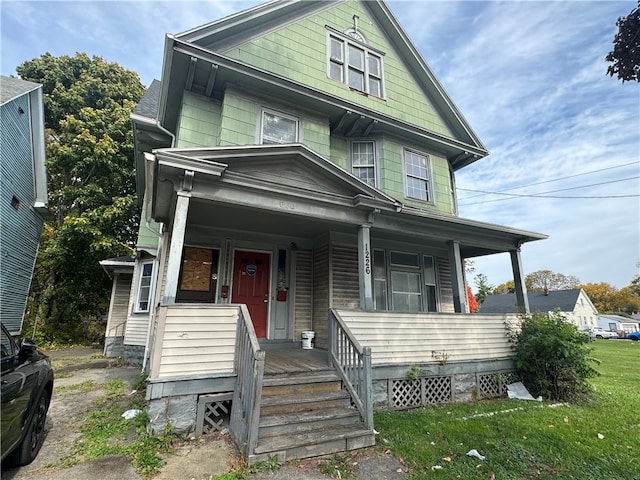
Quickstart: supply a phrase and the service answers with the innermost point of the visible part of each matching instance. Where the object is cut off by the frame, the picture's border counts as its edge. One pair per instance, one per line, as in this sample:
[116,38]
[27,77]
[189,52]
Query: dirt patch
[81,376]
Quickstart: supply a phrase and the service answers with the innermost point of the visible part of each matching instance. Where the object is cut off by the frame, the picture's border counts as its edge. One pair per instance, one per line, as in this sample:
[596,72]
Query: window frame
[428,180]
[345,64]
[275,113]
[139,288]
[373,166]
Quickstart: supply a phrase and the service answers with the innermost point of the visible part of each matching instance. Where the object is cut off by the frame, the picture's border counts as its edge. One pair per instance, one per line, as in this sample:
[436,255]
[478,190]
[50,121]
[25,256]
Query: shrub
[552,357]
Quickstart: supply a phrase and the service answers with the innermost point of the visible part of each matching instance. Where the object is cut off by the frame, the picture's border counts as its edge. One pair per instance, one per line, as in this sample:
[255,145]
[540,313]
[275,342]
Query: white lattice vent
[406,393]
[495,384]
[213,412]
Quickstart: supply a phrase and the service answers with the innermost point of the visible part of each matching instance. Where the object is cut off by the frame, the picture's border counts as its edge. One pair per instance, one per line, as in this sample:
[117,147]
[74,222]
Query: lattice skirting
[495,384]
[213,412]
[405,393]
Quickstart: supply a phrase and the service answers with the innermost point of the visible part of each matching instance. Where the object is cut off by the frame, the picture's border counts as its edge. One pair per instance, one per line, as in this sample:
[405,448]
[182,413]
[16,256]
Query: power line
[511,196]
[545,181]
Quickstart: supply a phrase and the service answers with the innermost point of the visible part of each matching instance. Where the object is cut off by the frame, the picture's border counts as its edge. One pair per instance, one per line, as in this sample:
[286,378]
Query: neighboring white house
[618,324]
[574,304]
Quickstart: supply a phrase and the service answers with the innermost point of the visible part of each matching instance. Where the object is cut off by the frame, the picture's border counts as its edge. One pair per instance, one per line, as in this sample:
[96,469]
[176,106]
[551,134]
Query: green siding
[146,234]
[240,119]
[390,167]
[298,51]
[199,123]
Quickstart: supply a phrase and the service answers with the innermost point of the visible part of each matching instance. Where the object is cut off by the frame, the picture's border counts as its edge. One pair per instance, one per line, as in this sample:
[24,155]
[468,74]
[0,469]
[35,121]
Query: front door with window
[198,275]
[251,287]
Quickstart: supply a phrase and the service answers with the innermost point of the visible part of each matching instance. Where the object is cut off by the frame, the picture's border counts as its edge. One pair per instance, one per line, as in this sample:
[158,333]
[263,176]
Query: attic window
[350,61]
[278,128]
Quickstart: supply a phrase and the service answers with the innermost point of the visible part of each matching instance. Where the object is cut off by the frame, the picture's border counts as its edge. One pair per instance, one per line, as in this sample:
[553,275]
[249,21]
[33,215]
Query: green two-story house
[296,167]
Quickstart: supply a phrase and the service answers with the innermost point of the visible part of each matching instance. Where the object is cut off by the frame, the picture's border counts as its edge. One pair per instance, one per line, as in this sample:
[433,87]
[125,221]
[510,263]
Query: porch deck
[294,360]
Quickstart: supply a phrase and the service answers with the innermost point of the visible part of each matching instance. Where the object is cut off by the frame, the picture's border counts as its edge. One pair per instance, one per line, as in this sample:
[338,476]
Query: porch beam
[365,268]
[460,302]
[175,250]
[522,300]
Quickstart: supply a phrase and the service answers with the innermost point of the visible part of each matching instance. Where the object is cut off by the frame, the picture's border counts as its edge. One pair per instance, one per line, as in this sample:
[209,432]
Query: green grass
[105,432]
[529,440]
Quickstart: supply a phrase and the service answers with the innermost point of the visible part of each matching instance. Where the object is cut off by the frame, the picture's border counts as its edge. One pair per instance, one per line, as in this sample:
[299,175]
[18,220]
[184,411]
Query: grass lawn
[529,440]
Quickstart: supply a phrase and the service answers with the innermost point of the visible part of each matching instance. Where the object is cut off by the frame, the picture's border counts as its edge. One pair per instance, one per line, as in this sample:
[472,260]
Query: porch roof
[289,190]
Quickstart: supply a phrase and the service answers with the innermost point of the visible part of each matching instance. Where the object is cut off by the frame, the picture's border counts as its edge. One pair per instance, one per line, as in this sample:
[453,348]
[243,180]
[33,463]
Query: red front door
[251,287]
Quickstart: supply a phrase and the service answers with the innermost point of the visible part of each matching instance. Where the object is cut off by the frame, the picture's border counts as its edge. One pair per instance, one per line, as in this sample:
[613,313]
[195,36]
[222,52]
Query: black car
[26,387]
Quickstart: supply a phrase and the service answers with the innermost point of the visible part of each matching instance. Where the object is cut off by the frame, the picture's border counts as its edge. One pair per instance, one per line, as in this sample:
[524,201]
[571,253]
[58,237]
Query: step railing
[353,364]
[249,368]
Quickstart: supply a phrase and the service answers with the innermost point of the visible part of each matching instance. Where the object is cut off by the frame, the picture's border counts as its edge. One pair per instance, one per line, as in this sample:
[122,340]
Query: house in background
[620,325]
[573,304]
[296,168]
[23,193]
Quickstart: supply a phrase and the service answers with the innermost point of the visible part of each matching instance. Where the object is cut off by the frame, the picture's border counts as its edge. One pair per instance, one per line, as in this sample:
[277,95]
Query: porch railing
[353,363]
[249,367]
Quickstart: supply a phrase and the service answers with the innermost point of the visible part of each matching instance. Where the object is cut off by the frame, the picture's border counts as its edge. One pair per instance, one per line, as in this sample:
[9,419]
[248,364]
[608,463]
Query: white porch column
[460,303]
[175,250]
[365,268]
[522,300]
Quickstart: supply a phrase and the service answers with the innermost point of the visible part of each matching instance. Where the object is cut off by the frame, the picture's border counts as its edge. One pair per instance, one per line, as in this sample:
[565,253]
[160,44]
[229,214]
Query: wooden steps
[306,415]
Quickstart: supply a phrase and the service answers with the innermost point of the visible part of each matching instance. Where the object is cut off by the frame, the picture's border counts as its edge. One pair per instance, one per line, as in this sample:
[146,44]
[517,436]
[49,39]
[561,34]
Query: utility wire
[545,194]
[545,181]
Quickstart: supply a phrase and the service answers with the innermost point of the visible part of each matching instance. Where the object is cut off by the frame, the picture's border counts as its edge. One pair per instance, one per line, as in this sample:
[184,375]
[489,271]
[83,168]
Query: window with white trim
[278,128]
[418,183]
[363,161]
[143,298]
[356,65]
[430,285]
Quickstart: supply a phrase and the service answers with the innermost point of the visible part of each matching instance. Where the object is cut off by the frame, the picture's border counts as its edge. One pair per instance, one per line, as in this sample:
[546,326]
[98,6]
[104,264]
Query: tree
[601,295]
[625,56]
[484,289]
[506,287]
[89,158]
[473,304]
[538,281]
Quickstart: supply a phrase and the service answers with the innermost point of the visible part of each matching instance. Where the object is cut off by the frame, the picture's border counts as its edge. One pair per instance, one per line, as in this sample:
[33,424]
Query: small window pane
[278,129]
[374,87]
[374,66]
[336,49]
[429,271]
[356,58]
[406,259]
[356,79]
[335,71]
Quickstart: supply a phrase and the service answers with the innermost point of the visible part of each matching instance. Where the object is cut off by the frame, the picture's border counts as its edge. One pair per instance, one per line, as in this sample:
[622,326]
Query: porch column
[460,303]
[365,268]
[175,250]
[522,300]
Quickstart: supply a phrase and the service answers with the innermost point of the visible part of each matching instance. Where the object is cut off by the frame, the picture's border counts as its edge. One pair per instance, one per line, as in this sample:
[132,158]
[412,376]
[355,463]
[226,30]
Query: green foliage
[483,288]
[90,166]
[414,372]
[527,440]
[552,357]
[340,465]
[625,56]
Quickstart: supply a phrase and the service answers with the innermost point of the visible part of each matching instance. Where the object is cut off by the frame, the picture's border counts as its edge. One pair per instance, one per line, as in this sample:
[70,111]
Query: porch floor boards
[292,360]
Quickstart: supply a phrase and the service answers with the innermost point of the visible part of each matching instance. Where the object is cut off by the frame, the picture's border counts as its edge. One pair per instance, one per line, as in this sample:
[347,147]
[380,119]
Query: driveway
[190,459]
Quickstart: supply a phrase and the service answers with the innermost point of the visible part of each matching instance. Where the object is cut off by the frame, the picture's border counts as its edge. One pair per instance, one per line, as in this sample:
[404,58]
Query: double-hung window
[278,128]
[356,65]
[144,287]
[406,287]
[417,168]
[363,161]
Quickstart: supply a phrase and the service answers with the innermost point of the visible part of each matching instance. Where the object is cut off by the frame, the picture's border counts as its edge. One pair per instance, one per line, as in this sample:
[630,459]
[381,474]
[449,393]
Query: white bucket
[307,337]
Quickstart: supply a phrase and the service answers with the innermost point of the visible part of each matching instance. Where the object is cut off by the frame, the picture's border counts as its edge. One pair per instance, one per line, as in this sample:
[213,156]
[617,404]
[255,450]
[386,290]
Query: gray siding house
[574,304]
[23,193]
[296,169]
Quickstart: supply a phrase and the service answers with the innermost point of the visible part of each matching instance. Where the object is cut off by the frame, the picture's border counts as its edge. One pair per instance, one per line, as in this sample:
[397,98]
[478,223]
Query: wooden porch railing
[353,363]
[249,368]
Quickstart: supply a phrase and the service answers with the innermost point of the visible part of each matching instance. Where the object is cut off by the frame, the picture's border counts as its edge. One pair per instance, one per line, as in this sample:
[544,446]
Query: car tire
[600,337]
[32,441]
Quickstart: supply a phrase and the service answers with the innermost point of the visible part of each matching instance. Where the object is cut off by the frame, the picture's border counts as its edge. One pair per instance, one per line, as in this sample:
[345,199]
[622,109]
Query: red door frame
[251,286]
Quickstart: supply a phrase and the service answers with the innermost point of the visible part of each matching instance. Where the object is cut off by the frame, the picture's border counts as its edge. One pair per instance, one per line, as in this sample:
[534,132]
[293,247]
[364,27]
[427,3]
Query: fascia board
[263,76]
[403,43]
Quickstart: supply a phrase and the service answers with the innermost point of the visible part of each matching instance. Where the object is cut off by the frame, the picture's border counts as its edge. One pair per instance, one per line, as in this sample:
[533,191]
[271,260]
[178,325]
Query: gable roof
[194,58]
[564,300]
[11,88]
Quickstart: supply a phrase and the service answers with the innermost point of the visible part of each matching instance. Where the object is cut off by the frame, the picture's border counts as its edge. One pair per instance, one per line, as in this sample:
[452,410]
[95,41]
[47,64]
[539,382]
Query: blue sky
[529,77]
